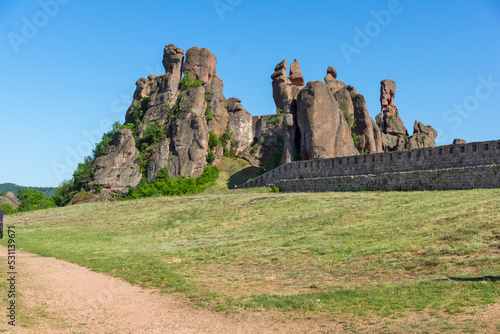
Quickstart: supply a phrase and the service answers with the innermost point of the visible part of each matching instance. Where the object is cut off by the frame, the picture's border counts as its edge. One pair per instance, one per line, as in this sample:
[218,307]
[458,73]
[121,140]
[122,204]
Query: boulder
[459,141]
[324,132]
[119,168]
[423,136]
[105,195]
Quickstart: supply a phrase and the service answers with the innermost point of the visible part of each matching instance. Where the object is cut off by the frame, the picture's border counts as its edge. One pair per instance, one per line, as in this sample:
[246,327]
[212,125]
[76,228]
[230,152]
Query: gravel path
[60,297]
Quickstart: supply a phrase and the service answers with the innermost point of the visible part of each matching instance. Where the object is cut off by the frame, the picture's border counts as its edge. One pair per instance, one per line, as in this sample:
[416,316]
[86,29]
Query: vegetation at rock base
[163,185]
[7,208]
[365,257]
[31,199]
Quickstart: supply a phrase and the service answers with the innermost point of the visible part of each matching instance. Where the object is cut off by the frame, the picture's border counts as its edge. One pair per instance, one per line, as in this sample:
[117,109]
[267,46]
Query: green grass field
[331,255]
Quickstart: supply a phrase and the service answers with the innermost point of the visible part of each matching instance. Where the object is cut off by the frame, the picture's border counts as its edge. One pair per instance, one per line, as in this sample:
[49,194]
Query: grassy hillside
[400,260]
[334,255]
[5,187]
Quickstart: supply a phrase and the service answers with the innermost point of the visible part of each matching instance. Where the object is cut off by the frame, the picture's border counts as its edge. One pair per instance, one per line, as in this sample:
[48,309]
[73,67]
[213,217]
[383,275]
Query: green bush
[188,82]
[7,208]
[163,185]
[208,113]
[276,119]
[64,193]
[107,138]
[153,135]
[32,199]
[226,135]
[349,119]
[210,157]
[213,141]
[355,139]
[226,153]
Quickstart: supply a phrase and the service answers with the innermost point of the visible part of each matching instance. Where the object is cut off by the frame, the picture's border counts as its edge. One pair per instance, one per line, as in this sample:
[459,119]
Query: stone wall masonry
[441,157]
[443,179]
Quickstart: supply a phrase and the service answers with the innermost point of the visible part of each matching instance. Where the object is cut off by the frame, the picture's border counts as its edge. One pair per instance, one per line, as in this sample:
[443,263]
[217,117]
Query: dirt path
[60,297]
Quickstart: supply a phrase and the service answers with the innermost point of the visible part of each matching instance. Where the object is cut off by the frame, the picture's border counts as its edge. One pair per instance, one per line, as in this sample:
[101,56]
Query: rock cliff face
[173,116]
[119,167]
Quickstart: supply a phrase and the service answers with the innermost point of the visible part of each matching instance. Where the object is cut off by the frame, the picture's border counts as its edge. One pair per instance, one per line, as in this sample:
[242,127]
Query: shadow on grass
[473,279]
[243,175]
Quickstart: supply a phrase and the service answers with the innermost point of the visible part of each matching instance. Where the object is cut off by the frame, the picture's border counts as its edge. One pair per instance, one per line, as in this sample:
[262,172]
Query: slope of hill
[5,187]
[367,257]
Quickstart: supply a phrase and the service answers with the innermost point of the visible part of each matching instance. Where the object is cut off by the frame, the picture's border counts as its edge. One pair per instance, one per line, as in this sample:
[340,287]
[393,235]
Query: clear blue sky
[69,69]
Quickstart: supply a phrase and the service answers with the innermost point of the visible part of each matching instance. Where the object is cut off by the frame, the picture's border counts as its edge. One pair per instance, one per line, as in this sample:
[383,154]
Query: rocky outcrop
[202,64]
[285,91]
[367,131]
[324,132]
[105,195]
[423,136]
[345,102]
[388,120]
[170,120]
[459,141]
[189,136]
[158,159]
[331,80]
[11,199]
[240,123]
[267,134]
[119,167]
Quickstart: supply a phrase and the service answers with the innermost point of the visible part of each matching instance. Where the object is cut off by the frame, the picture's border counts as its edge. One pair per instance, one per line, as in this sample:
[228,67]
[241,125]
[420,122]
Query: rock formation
[173,115]
[324,132]
[285,91]
[241,124]
[11,199]
[423,136]
[331,80]
[367,131]
[388,120]
[119,167]
[201,63]
[459,141]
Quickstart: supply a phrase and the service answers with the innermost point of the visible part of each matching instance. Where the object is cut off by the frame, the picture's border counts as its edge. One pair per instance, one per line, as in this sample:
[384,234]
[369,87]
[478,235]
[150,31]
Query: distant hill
[4,187]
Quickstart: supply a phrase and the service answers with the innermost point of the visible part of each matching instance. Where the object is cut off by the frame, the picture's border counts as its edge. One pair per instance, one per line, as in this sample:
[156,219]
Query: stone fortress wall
[459,166]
